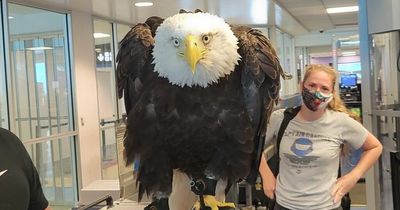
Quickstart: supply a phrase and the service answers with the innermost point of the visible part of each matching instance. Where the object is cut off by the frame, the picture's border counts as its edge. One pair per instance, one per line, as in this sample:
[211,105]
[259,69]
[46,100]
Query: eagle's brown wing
[260,76]
[134,60]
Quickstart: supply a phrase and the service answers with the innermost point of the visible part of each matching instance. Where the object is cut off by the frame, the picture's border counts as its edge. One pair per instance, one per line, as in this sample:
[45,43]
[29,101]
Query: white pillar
[84,78]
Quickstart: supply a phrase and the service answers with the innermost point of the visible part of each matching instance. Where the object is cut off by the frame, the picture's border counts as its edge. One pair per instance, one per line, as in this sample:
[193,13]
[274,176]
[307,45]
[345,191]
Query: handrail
[50,138]
[108,199]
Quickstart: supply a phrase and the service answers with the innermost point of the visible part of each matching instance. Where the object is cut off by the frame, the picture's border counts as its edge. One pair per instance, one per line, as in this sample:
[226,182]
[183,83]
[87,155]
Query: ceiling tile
[312,13]
[339,3]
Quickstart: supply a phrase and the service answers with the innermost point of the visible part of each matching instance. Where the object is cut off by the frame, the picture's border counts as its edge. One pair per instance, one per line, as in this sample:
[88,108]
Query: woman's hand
[342,186]
[372,150]
[269,183]
[268,178]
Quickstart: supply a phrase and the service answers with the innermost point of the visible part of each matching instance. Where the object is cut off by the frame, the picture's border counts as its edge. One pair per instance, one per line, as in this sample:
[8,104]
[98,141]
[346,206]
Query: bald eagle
[198,93]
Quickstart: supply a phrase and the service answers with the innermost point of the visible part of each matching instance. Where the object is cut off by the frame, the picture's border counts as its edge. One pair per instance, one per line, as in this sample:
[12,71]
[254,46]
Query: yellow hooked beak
[194,51]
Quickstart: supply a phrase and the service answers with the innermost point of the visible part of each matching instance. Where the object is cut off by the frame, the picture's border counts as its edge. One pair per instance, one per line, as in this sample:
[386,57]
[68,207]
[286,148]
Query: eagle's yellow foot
[213,204]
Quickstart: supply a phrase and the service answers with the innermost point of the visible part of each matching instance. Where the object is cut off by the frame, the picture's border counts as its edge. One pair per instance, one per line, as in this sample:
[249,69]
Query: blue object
[349,161]
[348,80]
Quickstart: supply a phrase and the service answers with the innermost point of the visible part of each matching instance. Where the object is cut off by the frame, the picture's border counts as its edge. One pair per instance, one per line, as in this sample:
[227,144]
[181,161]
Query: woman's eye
[311,85]
[176,42]
[206,39]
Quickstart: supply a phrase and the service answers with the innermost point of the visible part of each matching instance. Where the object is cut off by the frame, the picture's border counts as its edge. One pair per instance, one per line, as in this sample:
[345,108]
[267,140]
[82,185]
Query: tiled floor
[60,207]
[359,208]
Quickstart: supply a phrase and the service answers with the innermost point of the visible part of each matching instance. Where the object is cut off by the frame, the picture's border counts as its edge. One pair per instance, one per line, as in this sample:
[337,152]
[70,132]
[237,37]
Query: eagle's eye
[206,38]
[176,42]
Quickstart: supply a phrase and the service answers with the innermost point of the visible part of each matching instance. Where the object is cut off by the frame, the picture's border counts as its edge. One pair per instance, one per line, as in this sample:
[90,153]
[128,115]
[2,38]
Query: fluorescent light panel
[349,53]
[144,4]
[38,48]
[349,43]
[342,9]
[100,35]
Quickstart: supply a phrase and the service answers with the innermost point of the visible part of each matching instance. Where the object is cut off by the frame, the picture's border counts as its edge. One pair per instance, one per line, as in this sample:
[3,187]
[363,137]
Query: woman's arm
[372,150]
[268,178]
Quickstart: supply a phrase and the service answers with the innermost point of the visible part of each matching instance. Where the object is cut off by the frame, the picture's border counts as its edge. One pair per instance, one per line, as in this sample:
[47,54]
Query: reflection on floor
[110,170]
[109,165]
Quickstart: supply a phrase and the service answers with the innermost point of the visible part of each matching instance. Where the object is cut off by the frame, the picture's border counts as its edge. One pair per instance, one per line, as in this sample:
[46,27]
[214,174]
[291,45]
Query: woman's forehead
[320,77]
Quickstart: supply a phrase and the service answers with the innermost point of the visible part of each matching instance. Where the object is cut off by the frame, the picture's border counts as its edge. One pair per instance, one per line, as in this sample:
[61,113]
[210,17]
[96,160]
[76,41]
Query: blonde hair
[336,104]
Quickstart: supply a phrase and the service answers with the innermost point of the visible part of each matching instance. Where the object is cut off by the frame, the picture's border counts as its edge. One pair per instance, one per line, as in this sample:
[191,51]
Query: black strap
[288,115]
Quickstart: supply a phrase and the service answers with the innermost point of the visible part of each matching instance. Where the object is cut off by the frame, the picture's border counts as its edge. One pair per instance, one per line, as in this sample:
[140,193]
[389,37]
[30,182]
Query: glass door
[107,99]
[41,108]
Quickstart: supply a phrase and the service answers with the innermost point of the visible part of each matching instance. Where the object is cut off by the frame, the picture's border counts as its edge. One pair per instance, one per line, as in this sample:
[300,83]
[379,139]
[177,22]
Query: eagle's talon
[213,204]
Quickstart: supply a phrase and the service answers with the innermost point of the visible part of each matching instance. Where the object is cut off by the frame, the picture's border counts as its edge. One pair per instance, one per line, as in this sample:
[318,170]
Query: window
[3,89]
[41,109]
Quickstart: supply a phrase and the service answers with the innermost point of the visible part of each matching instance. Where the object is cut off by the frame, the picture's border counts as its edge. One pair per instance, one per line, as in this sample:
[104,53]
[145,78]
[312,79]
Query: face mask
[315,100]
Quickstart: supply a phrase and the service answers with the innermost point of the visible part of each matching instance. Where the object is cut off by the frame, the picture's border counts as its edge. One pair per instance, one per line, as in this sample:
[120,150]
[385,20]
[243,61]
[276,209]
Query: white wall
[84,71]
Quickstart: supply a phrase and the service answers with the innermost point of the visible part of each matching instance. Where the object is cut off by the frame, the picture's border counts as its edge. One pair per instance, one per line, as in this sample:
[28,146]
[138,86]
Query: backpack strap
[288,115]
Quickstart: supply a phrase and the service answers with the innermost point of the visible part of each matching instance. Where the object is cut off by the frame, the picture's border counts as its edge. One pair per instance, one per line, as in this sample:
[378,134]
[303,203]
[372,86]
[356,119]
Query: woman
[311,146]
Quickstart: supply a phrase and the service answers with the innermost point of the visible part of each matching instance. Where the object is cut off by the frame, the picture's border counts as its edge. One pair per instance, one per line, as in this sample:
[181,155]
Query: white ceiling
[313,16]
[300,18]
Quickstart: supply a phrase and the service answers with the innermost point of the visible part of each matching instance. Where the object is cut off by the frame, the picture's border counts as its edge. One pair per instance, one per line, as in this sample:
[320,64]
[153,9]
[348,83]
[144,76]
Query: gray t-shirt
[309,153]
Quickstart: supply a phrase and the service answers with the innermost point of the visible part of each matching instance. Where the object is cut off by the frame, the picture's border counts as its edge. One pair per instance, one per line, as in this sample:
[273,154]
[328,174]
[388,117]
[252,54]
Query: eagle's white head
[195,49]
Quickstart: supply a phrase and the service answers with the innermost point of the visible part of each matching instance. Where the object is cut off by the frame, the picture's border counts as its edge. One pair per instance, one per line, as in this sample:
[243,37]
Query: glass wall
[107,99]
[54,162]
[40,73]
[111,109]
[3,85]
[41,97]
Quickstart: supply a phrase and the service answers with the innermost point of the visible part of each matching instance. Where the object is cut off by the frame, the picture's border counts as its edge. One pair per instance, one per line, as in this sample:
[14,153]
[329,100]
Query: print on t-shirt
[300,158]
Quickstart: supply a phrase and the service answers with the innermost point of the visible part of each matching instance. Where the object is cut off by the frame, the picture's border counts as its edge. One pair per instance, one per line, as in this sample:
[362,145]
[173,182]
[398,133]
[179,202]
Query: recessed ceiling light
[10,17]
[342,9]
[100,35]
[144,4]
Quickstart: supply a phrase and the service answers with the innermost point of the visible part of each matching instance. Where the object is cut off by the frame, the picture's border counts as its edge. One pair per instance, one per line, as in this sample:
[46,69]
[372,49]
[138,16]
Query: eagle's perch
[198,93]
